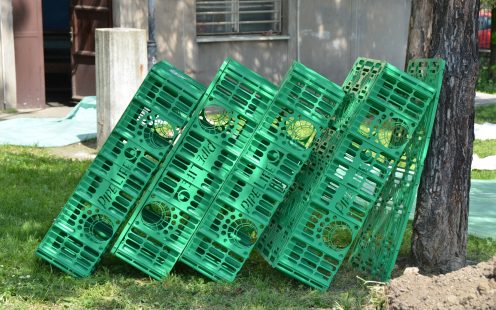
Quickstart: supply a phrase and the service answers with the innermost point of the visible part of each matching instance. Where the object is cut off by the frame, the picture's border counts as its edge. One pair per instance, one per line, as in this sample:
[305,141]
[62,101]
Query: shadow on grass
[36,186]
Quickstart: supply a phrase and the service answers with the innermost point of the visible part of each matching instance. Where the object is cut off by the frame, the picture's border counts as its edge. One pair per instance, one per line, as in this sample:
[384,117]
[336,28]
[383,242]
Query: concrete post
[121,65]
[8,95]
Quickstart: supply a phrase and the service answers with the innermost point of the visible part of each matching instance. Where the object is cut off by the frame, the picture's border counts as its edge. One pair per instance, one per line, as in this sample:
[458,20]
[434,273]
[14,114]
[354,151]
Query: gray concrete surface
[484,99]
[49,112]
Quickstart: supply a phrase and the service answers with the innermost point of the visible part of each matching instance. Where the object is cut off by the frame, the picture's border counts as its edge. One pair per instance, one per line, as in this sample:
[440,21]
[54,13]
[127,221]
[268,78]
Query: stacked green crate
[122,169]
[303,107]
[356,86]
[377,247]
[331,198]
[191,177]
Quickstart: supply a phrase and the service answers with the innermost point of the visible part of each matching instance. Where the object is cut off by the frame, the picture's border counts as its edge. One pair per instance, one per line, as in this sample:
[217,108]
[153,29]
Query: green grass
[478,249]
[483,174]
[485,114]
[484,84]
[484,148]
[34,188]
[10,110]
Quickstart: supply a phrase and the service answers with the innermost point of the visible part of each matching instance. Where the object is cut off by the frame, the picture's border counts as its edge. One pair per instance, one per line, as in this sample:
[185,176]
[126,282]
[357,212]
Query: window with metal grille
[231,17]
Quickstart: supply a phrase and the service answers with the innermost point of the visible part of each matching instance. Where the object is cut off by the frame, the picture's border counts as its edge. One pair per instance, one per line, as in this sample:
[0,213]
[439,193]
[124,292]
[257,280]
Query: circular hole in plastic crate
[163,129]
[159,133]
[156,215]
[393,133]
[273,156]
[214,117]
[300,130]
[366,156]
[183,196]
[99,227]
[337,235]
[131,153]
[243,232]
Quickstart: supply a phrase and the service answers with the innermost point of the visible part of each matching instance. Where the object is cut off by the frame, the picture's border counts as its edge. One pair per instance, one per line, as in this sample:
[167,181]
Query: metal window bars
[228,17]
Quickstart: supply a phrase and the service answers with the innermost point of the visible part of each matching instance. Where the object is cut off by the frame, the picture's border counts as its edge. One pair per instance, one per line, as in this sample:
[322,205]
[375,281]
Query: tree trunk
[446,29]
[492,47]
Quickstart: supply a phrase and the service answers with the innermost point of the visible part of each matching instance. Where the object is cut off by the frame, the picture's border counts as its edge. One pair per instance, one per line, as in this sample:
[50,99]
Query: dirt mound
[472,287]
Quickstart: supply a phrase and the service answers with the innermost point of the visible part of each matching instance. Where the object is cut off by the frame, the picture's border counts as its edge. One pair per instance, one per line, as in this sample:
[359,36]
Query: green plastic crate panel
[302,109]
[278,232]
[304,106]
[358,154]
[361,77]
[272,182]
[346,172]
[108,195]
[161,230]
[203,157]
[222,242]
[242,90]
[225,127]
[79,235]
[383,127]
[193,173]
[316,256]
[251,197]
[122,169]
[271,157]
[200,150]
[137,166]
[185,195]
[377,248]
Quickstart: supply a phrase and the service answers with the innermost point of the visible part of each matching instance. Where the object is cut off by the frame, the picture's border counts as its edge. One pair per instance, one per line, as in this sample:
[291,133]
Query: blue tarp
[482,209]
[79,125]
[482,213]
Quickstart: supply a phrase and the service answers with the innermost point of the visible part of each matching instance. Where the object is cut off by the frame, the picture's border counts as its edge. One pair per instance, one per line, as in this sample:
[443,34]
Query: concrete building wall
[8,98]
[381,30]
[176,34]
[130,14]
[334,33]
[201,57]
[327,35]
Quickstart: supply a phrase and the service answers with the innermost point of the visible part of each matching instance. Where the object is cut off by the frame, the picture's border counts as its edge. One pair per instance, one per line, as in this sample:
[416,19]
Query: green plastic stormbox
[377,247]
[303,107]
[113,183]
[315,226]
[196,169]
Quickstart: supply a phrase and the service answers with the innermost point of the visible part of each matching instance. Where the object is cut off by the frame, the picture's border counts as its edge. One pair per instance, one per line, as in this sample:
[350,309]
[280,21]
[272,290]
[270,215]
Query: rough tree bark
[446,29]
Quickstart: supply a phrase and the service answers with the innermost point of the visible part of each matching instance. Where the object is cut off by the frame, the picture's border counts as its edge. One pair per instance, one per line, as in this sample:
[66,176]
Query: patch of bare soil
[472,287]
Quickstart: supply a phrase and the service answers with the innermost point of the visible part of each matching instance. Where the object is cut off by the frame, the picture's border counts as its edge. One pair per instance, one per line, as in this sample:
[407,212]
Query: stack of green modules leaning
[377,248]
[315,226]
[192,175]
[114,182]
[303,107]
